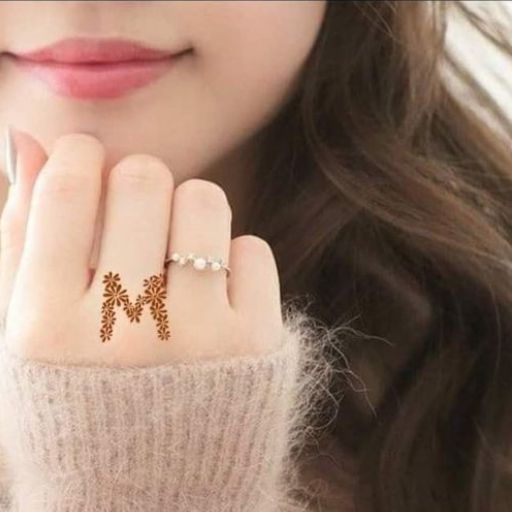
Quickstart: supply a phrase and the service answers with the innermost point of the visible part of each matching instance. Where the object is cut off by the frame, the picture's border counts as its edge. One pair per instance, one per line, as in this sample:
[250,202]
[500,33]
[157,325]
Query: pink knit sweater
[209,436]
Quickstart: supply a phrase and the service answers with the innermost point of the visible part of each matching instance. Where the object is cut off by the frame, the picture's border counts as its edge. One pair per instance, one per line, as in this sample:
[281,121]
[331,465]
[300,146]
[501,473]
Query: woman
[384,200]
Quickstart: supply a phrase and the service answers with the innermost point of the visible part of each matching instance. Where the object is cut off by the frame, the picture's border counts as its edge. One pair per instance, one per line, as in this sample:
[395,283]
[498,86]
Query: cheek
[248,56]
[250,53]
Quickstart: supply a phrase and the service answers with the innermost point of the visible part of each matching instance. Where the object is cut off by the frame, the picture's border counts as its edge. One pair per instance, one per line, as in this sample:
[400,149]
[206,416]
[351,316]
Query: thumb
[30,157]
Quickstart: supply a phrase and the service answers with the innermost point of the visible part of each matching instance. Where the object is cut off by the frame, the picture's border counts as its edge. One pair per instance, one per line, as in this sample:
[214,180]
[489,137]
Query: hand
[53,299]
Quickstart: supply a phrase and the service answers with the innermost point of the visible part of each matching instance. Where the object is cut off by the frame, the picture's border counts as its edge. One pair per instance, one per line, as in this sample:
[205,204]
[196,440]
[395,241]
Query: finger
[60,226]
[30,158]
[136,222]
[200,224]
[253,287]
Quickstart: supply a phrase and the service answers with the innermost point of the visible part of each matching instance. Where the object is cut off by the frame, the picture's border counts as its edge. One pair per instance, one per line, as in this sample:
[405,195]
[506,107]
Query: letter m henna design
[115,295]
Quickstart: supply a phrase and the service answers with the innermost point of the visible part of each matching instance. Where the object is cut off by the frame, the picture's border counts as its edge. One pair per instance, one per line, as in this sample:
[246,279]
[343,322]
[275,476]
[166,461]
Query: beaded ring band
[198,262]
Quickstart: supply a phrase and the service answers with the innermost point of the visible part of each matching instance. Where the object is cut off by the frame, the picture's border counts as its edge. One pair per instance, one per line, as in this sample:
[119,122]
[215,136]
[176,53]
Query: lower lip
[97,80]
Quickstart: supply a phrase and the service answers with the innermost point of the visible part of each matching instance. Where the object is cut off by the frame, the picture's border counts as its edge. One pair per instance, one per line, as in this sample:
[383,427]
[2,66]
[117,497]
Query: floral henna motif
[115,295]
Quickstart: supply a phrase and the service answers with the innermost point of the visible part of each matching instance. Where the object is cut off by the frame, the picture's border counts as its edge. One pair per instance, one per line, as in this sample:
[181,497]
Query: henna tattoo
[115,295]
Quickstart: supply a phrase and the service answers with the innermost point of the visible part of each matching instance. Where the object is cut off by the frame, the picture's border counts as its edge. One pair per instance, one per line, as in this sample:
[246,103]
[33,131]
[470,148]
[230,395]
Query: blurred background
[488,66]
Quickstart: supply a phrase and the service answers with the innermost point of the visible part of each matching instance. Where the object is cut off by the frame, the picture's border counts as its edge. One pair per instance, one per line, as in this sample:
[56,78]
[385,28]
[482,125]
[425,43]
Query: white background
[490,66]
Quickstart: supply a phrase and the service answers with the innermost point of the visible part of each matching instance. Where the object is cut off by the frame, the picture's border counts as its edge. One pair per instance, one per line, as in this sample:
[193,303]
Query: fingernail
[10,155]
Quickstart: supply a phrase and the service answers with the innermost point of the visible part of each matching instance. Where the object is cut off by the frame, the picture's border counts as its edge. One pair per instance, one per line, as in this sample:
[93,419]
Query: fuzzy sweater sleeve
[211,436]
[5,495]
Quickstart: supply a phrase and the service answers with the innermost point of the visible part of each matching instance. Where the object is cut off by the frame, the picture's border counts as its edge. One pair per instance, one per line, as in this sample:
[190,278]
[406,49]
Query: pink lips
[96,68]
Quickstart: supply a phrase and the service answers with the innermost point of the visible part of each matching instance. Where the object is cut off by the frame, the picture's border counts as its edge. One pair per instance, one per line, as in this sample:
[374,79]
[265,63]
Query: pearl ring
[198,262]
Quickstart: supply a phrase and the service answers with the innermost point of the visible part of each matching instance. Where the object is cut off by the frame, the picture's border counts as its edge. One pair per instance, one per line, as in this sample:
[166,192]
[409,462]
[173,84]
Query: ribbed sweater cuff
[209,436]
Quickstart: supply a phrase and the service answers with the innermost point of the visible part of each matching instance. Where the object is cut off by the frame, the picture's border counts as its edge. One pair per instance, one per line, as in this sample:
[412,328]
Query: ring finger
[200,224]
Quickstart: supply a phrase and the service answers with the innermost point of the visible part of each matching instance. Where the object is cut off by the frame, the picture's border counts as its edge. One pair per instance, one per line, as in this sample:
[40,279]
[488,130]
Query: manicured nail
[10,155]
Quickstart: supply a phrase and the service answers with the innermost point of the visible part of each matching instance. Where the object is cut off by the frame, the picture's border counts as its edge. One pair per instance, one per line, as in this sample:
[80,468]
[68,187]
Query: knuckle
[142,168]
[64,183]
[204,193]
[254,245]
[73,139]
[64,171]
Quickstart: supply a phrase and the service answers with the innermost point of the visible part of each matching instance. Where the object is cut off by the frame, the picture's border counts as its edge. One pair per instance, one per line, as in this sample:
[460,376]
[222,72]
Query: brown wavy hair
[392,213]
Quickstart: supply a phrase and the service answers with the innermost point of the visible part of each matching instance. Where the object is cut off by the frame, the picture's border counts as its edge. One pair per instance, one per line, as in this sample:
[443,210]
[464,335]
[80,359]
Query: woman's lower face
[197,111]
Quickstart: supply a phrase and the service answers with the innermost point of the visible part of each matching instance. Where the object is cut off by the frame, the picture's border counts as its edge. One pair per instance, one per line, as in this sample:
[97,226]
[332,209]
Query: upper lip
[77,50]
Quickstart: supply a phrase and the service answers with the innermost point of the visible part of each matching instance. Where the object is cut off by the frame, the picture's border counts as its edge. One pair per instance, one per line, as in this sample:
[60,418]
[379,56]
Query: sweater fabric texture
[219,435]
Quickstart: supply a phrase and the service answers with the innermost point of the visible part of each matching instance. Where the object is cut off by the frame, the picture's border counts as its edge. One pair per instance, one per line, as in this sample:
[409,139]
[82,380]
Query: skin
[100,189]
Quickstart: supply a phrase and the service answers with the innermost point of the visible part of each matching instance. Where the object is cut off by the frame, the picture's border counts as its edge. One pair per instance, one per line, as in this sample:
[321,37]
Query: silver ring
[198,262]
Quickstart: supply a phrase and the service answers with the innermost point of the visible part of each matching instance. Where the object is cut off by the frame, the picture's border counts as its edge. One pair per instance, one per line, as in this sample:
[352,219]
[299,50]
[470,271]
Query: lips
[96,68]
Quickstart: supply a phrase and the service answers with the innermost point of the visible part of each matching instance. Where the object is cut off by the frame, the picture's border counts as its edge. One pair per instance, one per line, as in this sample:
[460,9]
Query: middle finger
[136,221]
